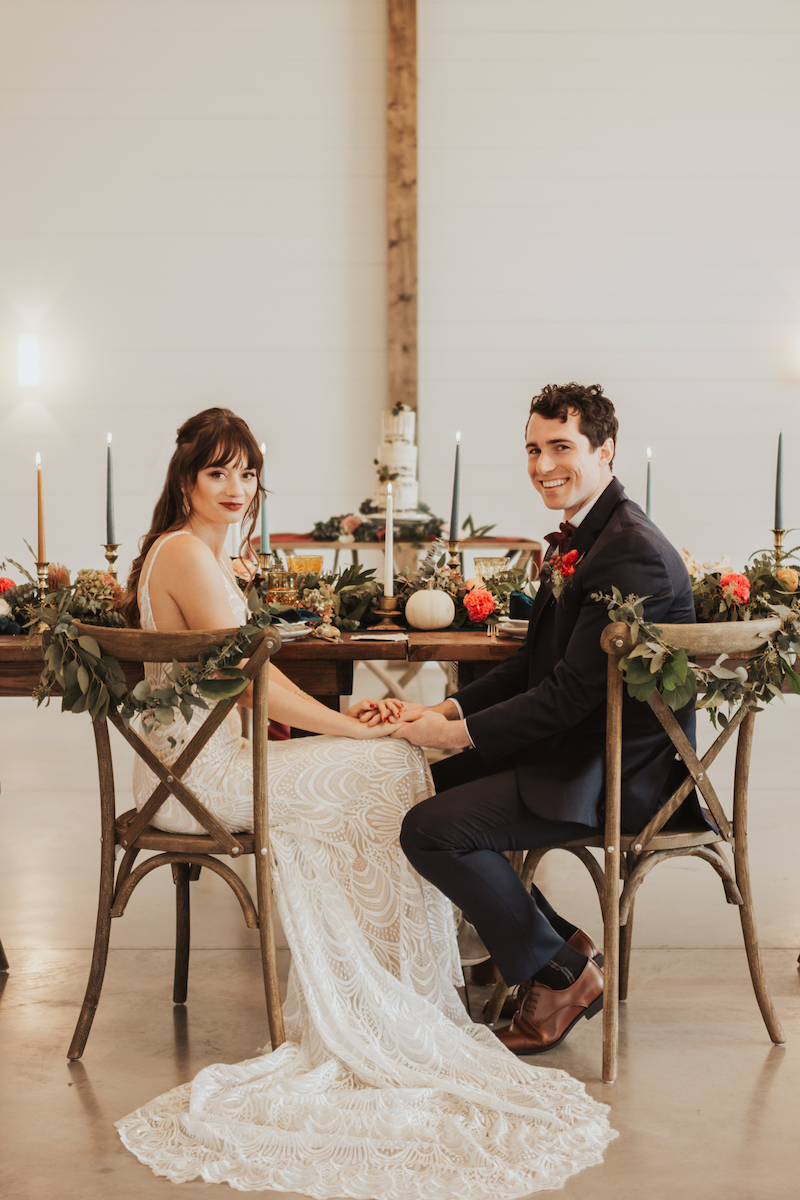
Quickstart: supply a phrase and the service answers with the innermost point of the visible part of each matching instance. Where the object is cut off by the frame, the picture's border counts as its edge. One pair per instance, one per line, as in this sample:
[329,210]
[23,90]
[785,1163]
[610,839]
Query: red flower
[479,604]
[565,565]
[5,584]
[735,587]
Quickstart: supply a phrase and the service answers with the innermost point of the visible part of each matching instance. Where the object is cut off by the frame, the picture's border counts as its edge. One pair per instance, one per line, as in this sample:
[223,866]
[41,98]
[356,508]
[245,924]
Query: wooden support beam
[401,202]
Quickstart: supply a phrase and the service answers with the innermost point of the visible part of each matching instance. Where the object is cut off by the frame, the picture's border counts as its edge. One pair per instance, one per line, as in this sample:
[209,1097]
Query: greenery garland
[655,666]
[94,682]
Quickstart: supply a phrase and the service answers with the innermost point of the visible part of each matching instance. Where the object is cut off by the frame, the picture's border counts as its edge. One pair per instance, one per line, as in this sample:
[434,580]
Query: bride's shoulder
[181,550]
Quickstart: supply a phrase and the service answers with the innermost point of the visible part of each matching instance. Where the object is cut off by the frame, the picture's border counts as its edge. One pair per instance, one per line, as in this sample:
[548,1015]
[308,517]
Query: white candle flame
[458,437]
[649,454]
[38,459]
[109,439]
[389,488]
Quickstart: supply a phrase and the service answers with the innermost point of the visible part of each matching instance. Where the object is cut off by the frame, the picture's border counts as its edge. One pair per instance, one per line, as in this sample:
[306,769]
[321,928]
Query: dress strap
[175,533]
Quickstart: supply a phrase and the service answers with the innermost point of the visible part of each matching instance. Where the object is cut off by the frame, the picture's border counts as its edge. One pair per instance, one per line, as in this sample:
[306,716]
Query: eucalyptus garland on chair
[653,665]
[94,682]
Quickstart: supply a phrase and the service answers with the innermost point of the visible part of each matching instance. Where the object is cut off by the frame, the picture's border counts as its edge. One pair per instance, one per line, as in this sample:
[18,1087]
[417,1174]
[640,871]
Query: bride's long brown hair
[215,437]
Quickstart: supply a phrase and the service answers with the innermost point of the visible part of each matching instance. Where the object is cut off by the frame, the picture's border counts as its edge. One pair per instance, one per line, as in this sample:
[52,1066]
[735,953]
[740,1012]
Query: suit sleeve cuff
[453,700]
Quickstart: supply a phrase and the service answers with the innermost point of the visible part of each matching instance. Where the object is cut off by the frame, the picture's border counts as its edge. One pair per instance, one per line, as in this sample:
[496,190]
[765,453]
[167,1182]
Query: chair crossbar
[171,783]
[171,777]
[692,763]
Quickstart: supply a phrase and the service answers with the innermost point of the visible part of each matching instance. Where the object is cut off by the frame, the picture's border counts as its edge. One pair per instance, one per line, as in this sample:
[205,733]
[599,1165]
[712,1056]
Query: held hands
[379,712]
[434,731]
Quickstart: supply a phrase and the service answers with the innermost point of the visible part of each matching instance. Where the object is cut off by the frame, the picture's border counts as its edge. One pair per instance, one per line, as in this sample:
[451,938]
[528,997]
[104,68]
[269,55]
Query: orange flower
[479,604]
[735,587]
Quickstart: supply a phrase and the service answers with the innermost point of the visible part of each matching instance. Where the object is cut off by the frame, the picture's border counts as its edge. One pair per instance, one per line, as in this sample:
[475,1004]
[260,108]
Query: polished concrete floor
[704,1104]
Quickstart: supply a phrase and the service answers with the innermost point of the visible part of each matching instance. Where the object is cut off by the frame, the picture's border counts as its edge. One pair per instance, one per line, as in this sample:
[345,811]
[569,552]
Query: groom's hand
[413,712]
[433,730]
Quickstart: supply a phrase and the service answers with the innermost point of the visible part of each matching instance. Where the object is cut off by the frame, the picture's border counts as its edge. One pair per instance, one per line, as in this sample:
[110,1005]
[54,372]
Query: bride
[384,1088]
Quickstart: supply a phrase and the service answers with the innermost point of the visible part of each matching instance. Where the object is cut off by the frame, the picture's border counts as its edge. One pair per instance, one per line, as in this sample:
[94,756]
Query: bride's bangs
[228,446]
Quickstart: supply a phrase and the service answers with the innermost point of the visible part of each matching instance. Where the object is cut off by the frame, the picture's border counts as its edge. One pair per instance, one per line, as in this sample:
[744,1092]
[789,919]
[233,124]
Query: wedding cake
[397,461]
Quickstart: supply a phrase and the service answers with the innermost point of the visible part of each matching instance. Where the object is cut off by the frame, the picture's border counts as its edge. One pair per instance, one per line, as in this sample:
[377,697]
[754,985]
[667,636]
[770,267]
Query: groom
[532,731]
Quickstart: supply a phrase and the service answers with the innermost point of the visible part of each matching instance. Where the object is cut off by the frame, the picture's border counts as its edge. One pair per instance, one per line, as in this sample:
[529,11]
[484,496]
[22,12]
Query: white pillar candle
[388,545]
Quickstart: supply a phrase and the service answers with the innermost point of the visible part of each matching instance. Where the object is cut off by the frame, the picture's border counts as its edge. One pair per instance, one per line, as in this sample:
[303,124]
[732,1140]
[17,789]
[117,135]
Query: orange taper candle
[41,549]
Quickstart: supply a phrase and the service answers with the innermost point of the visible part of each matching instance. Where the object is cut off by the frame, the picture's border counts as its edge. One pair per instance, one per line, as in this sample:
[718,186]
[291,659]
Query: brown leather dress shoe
[579,941]
[545,1017]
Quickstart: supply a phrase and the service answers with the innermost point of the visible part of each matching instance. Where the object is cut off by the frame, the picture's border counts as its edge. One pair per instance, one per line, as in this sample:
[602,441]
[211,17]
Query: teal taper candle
[456,489]
[110,539]
[779,485]
[648,504]
[265,546]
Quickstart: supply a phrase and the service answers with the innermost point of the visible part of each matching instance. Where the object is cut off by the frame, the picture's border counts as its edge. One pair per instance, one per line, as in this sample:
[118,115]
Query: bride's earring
[187,508]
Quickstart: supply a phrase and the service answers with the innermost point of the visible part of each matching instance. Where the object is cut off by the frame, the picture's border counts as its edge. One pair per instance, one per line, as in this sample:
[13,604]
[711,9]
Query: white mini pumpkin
[430,608]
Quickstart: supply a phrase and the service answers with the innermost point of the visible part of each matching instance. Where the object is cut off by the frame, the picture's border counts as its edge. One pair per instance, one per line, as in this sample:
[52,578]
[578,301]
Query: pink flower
[350,523]
[479,604]
[5,584]
[735,587]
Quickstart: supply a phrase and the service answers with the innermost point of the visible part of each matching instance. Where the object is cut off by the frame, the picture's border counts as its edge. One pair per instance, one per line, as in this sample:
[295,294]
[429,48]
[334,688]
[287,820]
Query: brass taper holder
[387,608]
[778,536]
[41,572]
[454,561]
[111,551]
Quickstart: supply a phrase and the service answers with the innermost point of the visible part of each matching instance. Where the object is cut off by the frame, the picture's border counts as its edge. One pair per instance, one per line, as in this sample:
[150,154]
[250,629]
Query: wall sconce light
[29,361]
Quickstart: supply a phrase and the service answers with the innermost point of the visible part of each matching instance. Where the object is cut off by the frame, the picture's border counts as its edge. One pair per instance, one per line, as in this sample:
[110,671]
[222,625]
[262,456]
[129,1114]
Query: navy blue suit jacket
[542,711]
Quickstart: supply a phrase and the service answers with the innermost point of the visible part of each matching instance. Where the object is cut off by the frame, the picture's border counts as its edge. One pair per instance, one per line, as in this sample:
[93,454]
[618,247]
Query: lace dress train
[385,1089]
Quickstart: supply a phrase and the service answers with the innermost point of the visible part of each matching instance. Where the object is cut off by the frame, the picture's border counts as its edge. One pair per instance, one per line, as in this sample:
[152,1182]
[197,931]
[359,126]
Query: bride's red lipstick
[233,507]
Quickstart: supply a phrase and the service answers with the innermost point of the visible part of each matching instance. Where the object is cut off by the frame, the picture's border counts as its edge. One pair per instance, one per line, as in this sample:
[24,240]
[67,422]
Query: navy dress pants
[456,840]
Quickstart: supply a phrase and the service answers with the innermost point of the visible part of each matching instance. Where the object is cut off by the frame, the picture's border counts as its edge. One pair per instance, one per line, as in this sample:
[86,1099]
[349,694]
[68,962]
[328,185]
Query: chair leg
[99,954]
[751,943]
[625,942]
[3,959]
[180,873]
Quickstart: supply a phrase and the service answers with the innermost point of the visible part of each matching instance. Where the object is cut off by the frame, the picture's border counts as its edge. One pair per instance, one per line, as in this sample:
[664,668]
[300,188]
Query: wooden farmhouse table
[323,669]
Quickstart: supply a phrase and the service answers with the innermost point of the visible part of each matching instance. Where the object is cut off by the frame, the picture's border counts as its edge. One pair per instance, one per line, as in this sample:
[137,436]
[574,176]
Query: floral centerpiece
[477,602]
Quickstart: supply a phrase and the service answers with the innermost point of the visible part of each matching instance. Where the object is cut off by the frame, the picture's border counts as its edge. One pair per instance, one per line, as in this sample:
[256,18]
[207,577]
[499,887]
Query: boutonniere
[561,568]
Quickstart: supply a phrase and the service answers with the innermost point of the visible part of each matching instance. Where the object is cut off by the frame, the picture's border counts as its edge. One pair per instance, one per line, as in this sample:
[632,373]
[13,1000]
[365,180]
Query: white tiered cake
[397,462]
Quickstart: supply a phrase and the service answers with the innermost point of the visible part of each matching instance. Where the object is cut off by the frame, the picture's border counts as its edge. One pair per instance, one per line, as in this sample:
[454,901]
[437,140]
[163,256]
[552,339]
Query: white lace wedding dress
[385,1089]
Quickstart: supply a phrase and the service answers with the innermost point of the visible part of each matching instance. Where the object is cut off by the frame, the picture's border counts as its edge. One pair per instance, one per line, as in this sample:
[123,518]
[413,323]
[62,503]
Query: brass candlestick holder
[41,572]
[111,550]
[267,562]
[778,536]
[388,609]
[454,561]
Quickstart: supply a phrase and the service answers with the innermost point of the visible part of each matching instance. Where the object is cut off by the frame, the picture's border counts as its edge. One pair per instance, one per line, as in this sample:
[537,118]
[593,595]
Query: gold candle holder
[111,550]
[41,572]
[454,561]
[267,562]
[778,536]
[388,609]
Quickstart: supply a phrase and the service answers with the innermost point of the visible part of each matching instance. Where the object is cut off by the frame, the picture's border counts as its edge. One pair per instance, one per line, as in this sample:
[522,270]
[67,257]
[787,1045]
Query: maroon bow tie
[562,536]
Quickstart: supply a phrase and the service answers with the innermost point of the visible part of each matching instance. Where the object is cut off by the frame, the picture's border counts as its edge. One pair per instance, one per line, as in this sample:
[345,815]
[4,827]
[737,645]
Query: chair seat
[679,835]
[178,843]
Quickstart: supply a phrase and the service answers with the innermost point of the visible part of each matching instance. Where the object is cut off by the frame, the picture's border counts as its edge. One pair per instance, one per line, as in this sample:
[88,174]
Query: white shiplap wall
[609,193]
[192,196]
[192,213]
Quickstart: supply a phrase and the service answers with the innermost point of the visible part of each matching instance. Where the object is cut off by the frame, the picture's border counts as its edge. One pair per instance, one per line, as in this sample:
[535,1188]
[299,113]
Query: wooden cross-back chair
[186,854]
[628,859]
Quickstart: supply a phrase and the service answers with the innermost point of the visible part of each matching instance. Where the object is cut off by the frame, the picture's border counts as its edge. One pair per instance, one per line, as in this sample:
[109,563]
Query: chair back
[141,646]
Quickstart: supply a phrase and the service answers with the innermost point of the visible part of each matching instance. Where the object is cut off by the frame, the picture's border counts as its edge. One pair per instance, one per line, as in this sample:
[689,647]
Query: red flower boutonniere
[561,568]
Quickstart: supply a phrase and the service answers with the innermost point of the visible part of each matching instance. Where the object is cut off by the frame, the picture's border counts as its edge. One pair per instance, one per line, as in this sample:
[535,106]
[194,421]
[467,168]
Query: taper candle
[648,504]
[110,539]
[388,545]
[779,485]
[40,546]
[265,546]
[456,489]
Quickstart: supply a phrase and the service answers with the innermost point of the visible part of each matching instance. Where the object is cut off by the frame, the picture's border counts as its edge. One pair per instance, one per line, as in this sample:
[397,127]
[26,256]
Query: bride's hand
[365,733]
[377,712]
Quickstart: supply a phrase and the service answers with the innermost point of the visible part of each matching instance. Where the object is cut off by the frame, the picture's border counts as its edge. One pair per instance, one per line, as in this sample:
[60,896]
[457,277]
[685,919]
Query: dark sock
[562,970]
[563,927]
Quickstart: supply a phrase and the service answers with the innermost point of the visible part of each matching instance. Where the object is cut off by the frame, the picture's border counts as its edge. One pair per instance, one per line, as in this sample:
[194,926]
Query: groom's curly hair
[596,418]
